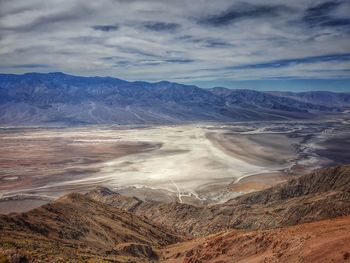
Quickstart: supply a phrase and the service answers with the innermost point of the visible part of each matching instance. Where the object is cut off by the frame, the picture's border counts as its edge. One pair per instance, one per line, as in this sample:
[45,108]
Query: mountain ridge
[58,98]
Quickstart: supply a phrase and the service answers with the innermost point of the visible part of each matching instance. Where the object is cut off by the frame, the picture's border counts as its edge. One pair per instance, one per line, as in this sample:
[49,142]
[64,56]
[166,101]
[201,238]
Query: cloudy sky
[294,45]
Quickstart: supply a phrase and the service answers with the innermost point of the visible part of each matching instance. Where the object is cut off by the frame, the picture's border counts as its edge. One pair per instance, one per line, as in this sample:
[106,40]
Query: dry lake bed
[195,163]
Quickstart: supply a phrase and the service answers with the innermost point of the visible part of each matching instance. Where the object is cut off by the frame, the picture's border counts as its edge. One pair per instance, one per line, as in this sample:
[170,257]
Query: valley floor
[196,163]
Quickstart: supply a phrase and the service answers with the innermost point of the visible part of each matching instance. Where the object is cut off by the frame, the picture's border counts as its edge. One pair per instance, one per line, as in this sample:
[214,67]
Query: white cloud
[61,35]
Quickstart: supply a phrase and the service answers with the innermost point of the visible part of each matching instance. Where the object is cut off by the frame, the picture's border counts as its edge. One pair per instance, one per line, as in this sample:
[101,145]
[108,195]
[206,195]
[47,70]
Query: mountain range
[61,99]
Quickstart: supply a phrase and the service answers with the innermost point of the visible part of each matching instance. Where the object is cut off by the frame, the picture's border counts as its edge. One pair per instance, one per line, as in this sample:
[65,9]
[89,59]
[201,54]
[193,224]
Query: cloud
[206,41]
[30,66]
[31,19]
[179,60]
[295,61]
[243,11]
[161,26]
[321,15]
[177,40]
[106,28]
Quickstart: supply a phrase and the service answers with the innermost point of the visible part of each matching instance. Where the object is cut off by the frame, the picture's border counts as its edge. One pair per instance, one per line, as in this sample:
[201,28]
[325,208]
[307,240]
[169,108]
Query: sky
[266,45]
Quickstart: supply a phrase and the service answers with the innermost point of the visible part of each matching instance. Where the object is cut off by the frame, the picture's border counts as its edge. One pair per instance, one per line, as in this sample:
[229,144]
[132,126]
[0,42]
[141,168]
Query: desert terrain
[151,131]
[204,163]
[305,219]
[322,241]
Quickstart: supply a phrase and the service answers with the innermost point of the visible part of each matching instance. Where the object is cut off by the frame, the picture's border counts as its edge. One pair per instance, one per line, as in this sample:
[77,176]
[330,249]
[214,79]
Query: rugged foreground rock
[267,226]
[75,227]
[321,241]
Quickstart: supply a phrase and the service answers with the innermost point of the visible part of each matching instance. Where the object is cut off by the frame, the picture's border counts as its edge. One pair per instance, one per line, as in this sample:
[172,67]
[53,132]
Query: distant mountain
[249,98]
[326,98]
[58,98]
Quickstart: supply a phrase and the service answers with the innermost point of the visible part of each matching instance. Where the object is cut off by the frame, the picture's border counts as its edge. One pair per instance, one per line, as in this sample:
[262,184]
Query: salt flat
[186,162]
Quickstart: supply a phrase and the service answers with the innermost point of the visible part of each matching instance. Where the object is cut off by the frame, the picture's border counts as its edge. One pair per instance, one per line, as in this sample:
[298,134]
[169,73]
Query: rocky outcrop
[136,250]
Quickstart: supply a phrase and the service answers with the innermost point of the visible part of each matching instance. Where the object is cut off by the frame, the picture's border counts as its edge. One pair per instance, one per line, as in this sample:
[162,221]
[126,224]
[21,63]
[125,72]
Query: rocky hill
[272,224]
[75,227]
[316,196]
[61,99]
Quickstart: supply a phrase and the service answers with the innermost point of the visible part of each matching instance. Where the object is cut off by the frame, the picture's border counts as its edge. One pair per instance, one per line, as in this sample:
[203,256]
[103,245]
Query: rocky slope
[316,196]
[57,98]
[75,227]
[321,242]
[266,226]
